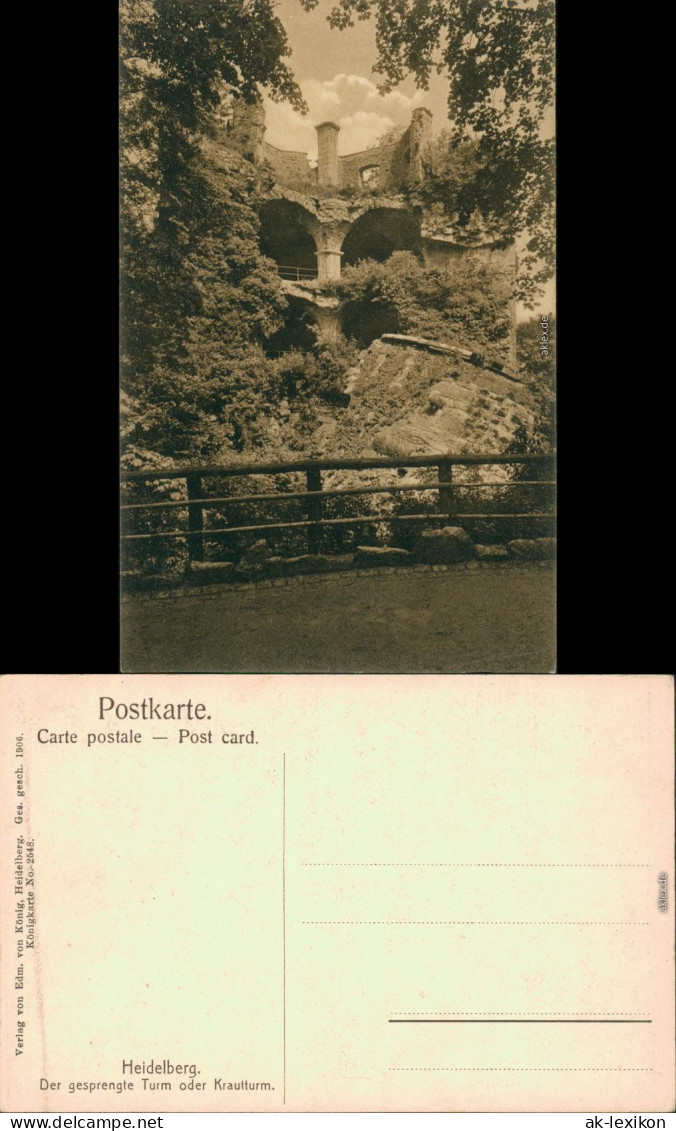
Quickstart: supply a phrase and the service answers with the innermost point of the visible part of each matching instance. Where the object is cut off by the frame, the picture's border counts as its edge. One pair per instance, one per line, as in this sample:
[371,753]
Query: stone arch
[379,232]
[289,235]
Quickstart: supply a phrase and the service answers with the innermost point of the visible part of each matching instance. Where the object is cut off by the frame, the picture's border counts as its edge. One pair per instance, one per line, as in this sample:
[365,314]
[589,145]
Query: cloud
[286,129]
[351,100]
[357,87]
[363,129]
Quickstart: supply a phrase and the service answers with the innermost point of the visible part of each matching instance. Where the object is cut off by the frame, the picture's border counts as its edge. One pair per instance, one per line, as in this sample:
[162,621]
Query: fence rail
[297,273]
[449,494]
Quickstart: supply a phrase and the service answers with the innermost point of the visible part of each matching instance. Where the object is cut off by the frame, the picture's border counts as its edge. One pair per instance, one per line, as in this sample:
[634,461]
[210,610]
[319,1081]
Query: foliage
[198,298]
[318,373]
[499,59]
[541,374]
[332,362]
[391,136]
[183,414]
[466,306]
[450,174]
[382,397]
[164,556]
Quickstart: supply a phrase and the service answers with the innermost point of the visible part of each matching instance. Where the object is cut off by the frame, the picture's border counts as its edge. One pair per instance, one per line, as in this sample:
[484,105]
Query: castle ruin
[347,207]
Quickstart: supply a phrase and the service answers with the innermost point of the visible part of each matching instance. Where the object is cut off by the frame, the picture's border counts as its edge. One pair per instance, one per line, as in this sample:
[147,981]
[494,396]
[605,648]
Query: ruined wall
[242,125]
[500,259]
[399,172]
[247,129]
[290,165]
[399,158]
[389,159]
[393,159]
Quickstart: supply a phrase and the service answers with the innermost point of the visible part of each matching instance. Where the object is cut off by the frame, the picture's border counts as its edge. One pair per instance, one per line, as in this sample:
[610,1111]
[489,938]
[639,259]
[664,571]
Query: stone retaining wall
[271,570]
[171,589]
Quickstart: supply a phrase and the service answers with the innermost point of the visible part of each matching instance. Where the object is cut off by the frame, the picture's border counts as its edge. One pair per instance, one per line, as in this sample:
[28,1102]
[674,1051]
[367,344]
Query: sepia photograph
[338,336]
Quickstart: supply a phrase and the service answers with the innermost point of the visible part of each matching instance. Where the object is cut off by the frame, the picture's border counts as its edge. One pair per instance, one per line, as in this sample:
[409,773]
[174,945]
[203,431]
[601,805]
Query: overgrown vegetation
[198,298]
[468,306]
[540,371]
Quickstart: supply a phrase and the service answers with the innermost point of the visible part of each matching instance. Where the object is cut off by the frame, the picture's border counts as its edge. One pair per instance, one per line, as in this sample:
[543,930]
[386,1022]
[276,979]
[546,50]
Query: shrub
[466,305]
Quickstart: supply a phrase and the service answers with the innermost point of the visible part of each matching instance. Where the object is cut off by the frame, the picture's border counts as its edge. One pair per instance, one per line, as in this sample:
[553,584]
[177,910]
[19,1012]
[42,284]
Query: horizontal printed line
[520,1070]
[518,1021]
[434,865]
[503,1013]
[471,923]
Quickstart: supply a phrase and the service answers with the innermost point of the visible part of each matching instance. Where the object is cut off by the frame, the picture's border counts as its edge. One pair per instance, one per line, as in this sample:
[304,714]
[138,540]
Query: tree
[197,296]
[499,59]
[175,58]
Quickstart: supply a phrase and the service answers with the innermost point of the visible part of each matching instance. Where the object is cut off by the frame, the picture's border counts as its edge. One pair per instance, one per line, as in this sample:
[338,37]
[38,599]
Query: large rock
[315,563]
[493,553]
[366,556]
[275,567]
[253,561]
[469,409]
[533,549]
[444,547]
[211,573]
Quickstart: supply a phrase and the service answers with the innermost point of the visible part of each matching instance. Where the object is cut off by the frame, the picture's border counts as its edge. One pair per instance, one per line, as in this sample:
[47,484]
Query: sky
[334,70]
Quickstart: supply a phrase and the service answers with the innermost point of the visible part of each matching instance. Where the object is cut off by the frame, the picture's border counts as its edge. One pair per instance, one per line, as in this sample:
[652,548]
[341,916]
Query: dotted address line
[473,922]
[521,1070]
[435,865]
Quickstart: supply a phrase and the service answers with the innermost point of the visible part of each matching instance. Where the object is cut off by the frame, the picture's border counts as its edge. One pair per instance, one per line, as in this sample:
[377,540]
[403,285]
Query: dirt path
[430,619]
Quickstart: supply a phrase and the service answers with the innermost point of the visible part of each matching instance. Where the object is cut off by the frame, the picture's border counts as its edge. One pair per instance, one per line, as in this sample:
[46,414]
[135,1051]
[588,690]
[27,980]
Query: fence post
[446,494]
[315,510]
[195,519]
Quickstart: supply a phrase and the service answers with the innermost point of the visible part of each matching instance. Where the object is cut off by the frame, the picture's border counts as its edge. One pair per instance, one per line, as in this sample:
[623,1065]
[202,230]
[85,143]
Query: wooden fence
[449,495]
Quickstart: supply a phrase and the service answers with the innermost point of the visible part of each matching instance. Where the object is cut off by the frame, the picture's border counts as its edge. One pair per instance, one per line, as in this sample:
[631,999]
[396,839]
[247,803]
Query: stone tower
[248,128]
[419,132]
[327,146]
